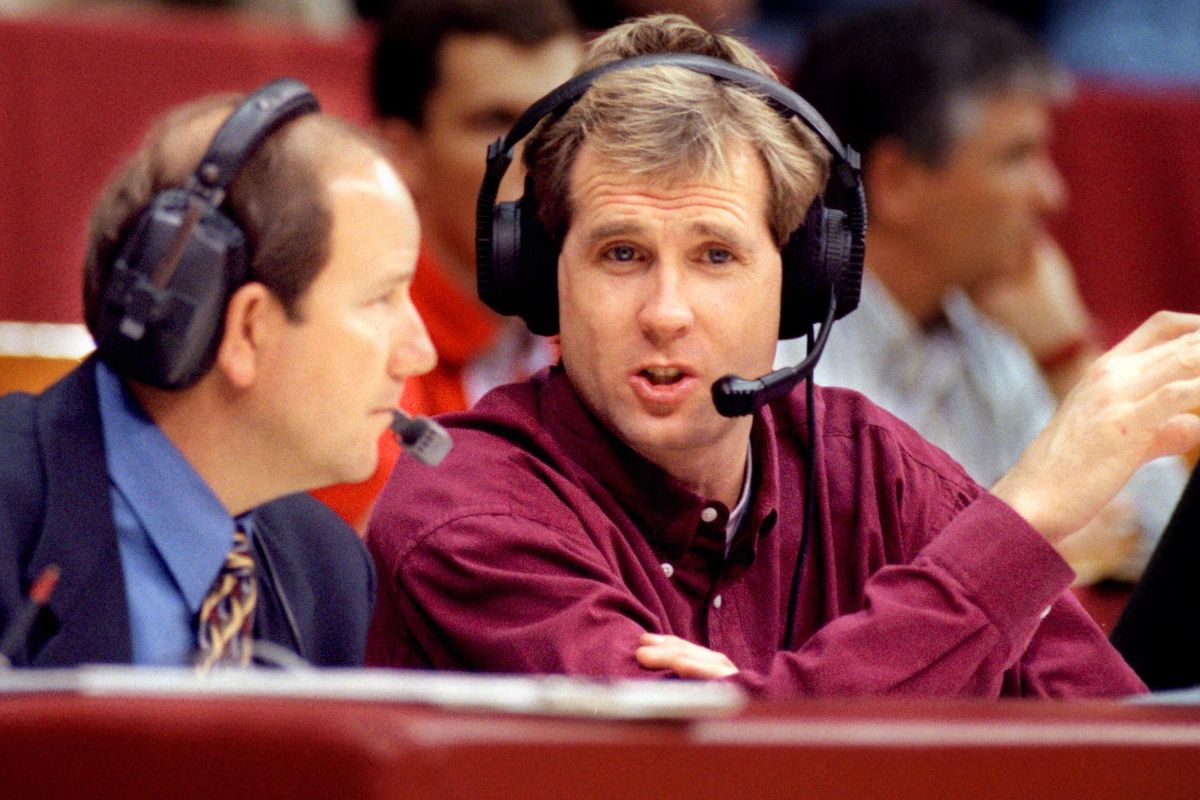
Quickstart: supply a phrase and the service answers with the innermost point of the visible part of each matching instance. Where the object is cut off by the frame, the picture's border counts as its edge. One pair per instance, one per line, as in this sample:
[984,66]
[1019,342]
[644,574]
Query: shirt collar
[895,329]
[964,319]
[666,511]
[738,514]
[919,363]
[186,523]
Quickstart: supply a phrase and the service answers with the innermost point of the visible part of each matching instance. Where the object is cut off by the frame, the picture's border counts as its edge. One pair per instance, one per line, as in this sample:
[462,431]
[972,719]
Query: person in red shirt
[608,518]
[449,78]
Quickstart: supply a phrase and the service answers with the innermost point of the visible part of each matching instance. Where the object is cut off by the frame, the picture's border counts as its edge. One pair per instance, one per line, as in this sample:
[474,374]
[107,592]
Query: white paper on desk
[1170,697]
[548,695]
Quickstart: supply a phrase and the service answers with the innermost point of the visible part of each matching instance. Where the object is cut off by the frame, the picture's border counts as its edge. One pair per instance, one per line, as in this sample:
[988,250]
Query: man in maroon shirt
[603,519]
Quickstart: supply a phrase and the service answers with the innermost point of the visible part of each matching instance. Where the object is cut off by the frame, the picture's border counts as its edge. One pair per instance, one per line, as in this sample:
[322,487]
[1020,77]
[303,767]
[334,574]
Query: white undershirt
[739,511]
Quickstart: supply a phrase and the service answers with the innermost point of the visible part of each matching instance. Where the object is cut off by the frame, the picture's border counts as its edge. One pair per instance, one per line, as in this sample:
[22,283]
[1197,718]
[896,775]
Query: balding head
[277,198]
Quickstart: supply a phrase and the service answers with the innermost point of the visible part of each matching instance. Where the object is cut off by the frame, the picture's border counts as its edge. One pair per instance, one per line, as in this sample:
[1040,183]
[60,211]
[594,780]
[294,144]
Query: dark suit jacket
[55,509]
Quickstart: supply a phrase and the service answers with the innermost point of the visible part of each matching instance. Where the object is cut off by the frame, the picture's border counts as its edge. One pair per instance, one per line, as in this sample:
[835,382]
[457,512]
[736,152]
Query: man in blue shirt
[246,281]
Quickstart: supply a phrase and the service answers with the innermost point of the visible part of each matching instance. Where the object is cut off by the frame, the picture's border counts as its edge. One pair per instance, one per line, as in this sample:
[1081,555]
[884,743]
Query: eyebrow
[393,278]
[722,232]
[611,230]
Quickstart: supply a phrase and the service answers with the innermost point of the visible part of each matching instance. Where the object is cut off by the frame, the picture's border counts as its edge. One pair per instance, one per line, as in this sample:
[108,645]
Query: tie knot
[239,561]
[227,613]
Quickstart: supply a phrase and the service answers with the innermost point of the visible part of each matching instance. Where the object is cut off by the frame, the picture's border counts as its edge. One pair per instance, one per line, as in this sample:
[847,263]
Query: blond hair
[670,122]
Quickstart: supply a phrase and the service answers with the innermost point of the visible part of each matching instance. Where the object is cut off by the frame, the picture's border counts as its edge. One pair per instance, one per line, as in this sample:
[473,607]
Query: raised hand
[1133,404]
[1040,305]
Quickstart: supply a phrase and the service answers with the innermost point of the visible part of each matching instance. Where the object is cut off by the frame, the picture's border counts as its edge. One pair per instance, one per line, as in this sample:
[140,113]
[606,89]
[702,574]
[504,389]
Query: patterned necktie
[227,613]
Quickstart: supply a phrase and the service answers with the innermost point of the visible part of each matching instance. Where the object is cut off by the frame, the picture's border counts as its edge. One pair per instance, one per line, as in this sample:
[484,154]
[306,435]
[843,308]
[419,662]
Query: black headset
[161,319]
[517,258]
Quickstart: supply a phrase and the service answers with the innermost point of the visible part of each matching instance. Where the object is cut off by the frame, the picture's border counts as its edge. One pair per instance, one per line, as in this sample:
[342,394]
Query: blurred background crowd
[1149,42]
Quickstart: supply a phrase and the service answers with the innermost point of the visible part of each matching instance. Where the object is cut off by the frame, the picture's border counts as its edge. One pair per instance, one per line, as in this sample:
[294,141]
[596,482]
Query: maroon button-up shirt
[543,544]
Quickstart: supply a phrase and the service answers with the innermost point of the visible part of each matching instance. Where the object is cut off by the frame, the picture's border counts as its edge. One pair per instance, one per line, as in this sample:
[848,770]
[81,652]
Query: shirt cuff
[1008,569]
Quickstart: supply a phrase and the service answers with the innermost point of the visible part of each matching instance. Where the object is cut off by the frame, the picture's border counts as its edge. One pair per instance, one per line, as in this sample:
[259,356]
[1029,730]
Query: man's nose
[666,313]
[1051,188]
[412,350]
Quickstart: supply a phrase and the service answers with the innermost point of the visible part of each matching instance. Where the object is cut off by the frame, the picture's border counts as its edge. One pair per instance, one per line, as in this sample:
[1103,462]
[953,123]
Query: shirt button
[717,601]
[708,514]
[668,570]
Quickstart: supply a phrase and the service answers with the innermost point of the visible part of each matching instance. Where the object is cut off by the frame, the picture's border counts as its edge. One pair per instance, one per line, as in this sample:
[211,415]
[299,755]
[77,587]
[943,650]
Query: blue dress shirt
[172,531]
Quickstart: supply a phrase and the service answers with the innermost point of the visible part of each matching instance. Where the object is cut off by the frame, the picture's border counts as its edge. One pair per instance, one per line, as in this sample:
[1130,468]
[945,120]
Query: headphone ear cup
[820,260]
[850,277]
[539,270]
[167,335]
[806,274]
[162,317]
[516,270]
[795,311]
[497,259]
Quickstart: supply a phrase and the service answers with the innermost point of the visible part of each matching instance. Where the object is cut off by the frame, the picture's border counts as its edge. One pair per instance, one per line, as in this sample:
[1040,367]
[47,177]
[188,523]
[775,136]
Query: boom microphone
[737,397]
[421,437]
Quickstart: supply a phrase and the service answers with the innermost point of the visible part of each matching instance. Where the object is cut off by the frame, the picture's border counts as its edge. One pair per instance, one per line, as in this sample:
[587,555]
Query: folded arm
[485,595]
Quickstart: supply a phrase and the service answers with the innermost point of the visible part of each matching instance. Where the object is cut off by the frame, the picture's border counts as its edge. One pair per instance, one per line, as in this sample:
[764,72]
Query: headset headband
[182,258]
[778,96]
[239,136]
[516,257]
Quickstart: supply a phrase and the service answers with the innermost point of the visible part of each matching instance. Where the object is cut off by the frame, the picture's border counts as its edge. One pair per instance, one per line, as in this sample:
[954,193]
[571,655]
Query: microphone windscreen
[421,437]
[736,397]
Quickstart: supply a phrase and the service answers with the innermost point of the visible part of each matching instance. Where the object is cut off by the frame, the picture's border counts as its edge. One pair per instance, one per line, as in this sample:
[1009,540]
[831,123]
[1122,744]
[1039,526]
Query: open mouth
[663,376]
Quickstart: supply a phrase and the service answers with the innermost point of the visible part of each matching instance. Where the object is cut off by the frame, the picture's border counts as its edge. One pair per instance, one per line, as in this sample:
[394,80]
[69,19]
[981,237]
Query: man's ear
[252,318]
[896,182]
[406,151]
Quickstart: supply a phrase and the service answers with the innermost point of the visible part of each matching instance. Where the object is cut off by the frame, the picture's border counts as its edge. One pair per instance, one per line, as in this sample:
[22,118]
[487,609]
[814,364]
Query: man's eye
[622,252]
[719,255]
[492,120]
[389,297]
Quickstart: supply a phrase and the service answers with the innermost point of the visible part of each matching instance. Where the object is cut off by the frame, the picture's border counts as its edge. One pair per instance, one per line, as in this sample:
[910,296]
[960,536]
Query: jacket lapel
[87,619]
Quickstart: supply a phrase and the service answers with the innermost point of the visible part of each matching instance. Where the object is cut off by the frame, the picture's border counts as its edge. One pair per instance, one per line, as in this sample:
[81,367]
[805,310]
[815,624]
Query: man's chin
[658,438]
[359,470]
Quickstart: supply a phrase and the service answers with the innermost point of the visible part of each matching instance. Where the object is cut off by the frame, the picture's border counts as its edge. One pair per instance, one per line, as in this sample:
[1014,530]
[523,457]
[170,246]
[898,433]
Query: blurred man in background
[449,77]
[971,327]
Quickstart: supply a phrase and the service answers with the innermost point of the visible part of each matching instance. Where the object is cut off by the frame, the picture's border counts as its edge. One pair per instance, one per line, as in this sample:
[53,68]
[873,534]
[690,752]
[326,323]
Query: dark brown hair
[405,62]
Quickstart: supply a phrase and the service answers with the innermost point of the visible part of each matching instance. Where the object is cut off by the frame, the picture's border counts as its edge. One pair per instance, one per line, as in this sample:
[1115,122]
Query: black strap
[778,95]
[254,119]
